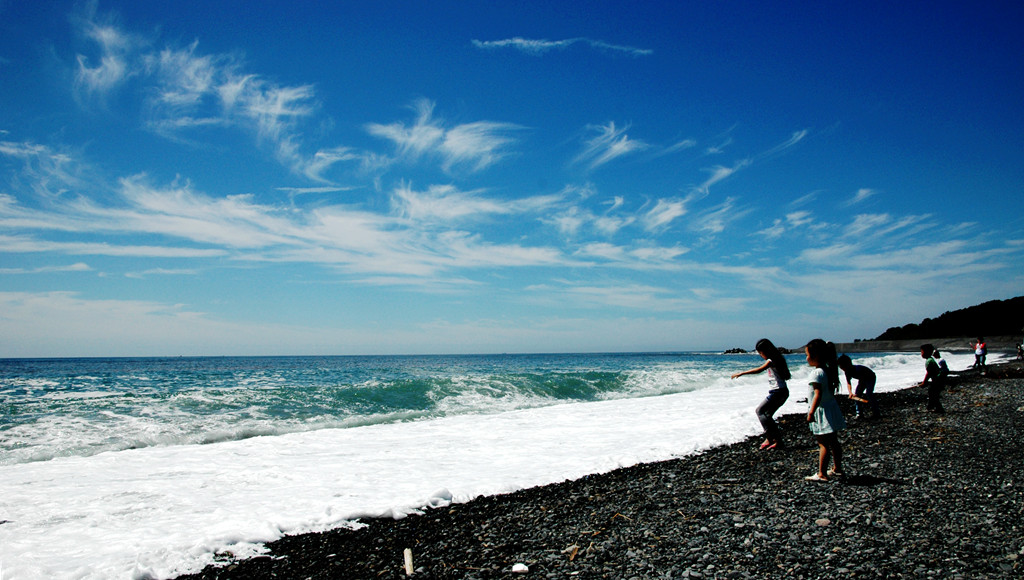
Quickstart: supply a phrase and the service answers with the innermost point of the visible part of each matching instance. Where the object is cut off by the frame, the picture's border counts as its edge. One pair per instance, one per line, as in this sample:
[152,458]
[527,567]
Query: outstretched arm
[759,369]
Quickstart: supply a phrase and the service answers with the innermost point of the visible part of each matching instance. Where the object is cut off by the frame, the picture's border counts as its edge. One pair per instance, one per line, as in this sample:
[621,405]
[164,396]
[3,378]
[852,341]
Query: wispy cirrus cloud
[185,90]
[162,272]
[49,172]
[795,138]
[678,146]
[537,47]
[885,226]
[475,145]
[446,203]
[116,60]
[939,259]
[861,195]
[193,90]
[721,172]
[664,212]
[77,267]
[637,257]
[714,220]
[610,143]
[416,240]
[28,244]
[572,220]
[793,220]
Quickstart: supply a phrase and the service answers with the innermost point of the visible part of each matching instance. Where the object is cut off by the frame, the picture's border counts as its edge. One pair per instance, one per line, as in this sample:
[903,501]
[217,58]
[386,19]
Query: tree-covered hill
[994,318]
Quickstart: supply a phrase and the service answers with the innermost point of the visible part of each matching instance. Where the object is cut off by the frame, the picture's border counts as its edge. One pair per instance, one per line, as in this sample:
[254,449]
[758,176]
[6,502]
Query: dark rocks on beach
[924,496]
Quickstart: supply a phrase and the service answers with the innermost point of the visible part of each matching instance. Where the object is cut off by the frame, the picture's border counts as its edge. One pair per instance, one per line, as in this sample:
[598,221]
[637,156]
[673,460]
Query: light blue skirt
[828,418]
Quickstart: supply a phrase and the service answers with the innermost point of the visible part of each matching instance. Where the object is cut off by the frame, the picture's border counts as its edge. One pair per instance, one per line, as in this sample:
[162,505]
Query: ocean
[149,467]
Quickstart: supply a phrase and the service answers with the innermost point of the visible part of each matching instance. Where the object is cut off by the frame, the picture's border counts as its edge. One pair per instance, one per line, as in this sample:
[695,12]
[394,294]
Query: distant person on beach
[865,393]
[932,378]
[980,352]
[778,391]
[1020,351]
[824,416]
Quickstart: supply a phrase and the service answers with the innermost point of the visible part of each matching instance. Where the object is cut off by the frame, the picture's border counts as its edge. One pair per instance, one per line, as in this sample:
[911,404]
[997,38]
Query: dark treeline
[993,318]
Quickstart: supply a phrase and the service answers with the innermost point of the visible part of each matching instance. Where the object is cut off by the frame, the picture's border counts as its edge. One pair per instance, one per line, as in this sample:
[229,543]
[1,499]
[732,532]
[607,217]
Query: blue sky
[228,177]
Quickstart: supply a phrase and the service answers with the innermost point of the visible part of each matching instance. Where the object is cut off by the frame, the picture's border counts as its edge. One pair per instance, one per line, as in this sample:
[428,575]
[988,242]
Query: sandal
[815,477]
[834,473]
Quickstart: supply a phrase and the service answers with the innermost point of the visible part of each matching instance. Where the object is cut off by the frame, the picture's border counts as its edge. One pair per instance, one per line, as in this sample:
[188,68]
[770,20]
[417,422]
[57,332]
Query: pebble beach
[924,496]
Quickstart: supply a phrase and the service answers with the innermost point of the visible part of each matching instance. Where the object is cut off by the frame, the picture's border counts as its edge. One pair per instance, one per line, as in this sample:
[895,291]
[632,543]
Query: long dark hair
[765,347]
[825,354]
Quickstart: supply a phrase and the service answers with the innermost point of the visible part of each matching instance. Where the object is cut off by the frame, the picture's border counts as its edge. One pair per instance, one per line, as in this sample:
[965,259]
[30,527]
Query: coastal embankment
[924,495]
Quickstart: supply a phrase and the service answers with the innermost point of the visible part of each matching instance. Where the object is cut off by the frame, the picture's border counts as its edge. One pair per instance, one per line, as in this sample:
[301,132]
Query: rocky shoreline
[925,496]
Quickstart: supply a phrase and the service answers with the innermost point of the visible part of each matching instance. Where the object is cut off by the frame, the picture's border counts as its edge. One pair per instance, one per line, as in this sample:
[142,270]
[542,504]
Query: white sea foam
[158,511]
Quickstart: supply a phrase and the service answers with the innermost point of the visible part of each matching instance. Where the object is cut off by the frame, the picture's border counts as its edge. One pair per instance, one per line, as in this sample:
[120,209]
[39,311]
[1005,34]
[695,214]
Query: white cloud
[47,172]
[609,143]
[714,220]
[475,145]
[795,138]
[163,272]
[804,199]
[866,223]
[798,219]
[680,146]
[646,257]
[443,203]
[233,221]
[470,250]
[115,62]
[414,242]
[297,191]
[21,244]
[720,173]
[793,221]
[77,267]
[185,89]
[537,47]
[479,144]
[884,226]
[861,195]
[664,212]
[571,221]
[774,231]
[832,254]
[609,225]
[943,259]
[315,167]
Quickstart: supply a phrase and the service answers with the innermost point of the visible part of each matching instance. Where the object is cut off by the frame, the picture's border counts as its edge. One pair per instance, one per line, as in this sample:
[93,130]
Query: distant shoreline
[995,343]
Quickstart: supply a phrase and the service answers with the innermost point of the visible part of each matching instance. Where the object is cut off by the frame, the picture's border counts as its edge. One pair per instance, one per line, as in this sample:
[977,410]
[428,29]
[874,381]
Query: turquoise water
[147,468]
[68,407]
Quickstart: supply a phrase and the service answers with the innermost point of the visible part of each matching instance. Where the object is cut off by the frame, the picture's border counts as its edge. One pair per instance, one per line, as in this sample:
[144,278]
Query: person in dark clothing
[933,378]
[865,393]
